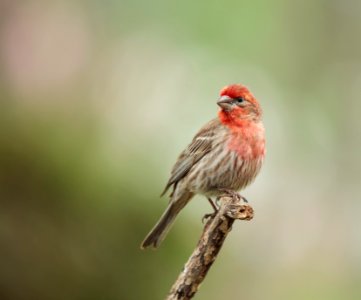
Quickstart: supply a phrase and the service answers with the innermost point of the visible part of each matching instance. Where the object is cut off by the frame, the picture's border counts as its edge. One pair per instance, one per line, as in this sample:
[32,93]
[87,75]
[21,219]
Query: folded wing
[201,145]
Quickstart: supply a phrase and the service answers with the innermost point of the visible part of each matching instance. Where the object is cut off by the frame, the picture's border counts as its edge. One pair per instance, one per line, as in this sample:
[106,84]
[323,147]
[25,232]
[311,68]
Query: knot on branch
[237,208]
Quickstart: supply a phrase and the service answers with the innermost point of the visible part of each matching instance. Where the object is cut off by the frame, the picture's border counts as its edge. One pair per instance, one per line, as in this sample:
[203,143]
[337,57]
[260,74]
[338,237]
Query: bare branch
[209,244]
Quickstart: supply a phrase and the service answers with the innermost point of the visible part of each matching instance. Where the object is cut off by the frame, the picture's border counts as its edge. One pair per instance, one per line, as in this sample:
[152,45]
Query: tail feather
[160,230]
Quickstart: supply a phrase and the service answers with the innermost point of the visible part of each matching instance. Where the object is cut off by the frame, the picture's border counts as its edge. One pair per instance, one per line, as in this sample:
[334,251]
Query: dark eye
[239,100]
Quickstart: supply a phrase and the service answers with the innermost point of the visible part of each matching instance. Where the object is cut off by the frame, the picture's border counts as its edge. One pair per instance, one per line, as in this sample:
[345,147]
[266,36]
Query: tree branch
[210,243]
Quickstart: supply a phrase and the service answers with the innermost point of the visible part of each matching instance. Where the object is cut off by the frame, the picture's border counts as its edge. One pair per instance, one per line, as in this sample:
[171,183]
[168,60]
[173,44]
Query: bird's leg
[214,206]
[211,215]
[217,201]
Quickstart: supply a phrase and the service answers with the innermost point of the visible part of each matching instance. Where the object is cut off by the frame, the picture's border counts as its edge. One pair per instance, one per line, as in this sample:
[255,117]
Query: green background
[97,99]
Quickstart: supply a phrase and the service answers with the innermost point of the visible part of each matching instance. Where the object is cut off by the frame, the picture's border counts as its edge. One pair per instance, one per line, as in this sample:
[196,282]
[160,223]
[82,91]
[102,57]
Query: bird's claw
[207,216]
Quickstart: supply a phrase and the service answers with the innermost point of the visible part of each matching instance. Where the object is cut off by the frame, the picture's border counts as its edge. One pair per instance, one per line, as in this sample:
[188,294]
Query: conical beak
[225,102]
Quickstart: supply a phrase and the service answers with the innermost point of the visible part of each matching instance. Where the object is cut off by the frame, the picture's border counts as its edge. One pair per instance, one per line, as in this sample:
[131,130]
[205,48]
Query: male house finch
[225,155]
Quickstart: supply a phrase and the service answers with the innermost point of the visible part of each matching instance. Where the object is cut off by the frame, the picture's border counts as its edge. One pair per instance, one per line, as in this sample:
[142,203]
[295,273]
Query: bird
[224,156]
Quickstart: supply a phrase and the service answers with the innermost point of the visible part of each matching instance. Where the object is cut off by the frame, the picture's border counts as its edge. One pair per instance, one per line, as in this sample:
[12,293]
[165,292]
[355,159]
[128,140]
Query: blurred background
[97,99]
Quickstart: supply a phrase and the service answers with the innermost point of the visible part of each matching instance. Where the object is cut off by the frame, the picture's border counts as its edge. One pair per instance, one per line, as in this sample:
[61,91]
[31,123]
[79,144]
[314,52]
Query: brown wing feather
[200,146]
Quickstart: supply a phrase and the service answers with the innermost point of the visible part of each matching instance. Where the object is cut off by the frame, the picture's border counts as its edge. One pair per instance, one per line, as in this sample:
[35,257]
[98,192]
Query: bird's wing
[200,146]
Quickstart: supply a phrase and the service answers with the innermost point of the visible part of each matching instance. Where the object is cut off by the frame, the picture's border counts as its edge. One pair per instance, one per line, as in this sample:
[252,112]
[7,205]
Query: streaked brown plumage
[227,153]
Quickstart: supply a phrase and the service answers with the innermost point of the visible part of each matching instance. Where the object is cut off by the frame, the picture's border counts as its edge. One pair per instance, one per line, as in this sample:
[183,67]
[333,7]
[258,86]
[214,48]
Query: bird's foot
[209,216]
[215,205]
[213,214]
[232,194]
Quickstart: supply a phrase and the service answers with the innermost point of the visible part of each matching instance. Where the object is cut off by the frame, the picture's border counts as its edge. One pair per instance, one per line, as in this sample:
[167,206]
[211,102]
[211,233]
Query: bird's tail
[160,230]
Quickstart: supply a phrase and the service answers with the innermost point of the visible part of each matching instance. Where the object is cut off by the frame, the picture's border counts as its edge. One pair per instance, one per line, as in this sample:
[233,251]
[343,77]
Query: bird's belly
[226,170]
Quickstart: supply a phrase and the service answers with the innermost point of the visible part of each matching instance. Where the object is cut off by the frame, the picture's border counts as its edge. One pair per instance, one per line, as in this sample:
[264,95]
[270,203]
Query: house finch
[225,155]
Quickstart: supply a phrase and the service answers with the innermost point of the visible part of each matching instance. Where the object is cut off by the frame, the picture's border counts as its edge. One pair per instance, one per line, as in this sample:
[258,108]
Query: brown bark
[210,243]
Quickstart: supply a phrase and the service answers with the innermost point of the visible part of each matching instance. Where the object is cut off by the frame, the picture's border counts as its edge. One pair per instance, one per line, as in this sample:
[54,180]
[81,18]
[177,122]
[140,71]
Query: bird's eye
[239,100]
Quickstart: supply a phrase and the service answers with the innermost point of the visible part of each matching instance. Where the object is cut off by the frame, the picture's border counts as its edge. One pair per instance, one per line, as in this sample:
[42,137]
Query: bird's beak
[225,102]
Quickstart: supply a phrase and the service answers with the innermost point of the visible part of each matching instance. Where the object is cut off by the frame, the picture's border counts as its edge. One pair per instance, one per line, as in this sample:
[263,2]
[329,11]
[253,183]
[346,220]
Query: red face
[238,101]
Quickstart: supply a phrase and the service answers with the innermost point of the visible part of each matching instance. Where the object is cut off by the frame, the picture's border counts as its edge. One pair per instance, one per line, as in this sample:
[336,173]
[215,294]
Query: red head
[237,102]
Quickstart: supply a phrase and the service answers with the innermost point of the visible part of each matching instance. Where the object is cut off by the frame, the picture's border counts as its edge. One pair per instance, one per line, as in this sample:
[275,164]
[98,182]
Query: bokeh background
[99,97]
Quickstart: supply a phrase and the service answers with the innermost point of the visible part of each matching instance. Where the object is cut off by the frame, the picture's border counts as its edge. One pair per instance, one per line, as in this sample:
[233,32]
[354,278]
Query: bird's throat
[247,136]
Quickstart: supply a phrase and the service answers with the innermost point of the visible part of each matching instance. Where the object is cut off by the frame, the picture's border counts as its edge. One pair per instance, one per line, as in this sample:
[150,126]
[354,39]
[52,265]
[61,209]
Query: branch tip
[214,233]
